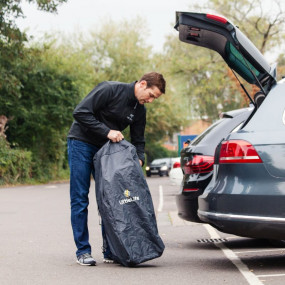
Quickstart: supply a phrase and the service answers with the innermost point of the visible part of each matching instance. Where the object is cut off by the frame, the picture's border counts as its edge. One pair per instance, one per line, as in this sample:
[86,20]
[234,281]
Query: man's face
[146,95]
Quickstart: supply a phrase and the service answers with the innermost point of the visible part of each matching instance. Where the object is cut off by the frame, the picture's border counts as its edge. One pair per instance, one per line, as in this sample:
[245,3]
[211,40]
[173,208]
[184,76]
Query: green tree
[12,45]
[41,115]
[205,81]
[27,83]
[118,50]
[198,76]
[25,80]
[281,66]
[119,53]
[263,21]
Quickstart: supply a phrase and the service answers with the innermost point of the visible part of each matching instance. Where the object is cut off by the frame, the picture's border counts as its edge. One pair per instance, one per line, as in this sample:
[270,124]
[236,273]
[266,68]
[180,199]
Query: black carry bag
[125,205]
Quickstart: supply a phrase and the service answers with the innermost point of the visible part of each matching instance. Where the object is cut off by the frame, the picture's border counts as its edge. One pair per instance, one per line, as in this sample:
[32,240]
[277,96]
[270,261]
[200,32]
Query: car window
[198,139]
[160,161]
[236,61]
[237,128]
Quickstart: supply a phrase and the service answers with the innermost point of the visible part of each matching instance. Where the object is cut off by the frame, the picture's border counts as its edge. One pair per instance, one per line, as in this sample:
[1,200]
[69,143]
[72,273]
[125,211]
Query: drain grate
[211,240]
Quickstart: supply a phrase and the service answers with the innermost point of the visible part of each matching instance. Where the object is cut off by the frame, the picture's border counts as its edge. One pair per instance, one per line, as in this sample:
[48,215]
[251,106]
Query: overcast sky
[84,14]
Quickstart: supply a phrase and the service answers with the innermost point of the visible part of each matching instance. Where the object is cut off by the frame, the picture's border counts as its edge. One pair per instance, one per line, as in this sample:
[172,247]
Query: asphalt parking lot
[258,261]
[37,245]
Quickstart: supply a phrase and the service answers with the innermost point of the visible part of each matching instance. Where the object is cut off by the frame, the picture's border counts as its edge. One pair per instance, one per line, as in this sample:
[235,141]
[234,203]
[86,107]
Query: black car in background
[161,166]
[197,161]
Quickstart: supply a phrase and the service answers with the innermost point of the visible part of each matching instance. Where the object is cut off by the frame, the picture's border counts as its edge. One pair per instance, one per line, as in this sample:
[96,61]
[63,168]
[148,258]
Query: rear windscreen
[198,139]
[237,62]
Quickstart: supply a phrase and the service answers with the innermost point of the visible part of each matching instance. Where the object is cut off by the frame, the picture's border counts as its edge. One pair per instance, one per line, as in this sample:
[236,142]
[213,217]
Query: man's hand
[141,163]
[115,136]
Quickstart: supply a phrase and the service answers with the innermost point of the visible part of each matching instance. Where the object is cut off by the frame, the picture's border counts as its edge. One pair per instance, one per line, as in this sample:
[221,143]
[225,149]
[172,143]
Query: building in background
[177,142]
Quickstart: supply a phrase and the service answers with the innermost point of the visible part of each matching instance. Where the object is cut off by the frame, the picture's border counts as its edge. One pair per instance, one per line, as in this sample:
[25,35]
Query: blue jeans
[80,159]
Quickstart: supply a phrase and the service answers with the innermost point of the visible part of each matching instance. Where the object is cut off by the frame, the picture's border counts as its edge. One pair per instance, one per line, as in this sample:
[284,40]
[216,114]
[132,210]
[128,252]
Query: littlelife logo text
[129,199]
[132,199]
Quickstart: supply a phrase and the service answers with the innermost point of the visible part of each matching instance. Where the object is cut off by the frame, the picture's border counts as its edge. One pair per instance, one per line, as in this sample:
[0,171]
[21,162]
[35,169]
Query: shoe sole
[84,264]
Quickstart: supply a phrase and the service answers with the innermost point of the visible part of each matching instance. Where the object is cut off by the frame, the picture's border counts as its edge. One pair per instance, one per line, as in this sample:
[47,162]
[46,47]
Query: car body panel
[248,226]
[176,176]
[248,199]
[267,133]
[204,144]
[226,39]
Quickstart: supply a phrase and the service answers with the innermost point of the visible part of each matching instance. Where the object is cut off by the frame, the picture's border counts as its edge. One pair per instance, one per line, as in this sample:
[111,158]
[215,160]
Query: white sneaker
[86,259]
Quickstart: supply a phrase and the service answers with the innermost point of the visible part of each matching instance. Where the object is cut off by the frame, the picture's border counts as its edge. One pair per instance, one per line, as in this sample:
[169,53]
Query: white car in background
[161,166]
[176,174]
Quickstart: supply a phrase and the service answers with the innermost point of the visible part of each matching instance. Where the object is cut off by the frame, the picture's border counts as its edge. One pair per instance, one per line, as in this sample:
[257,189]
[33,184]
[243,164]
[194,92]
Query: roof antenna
[242,86]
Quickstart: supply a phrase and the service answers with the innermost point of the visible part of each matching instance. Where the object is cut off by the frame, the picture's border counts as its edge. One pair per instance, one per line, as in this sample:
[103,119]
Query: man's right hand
[115,136]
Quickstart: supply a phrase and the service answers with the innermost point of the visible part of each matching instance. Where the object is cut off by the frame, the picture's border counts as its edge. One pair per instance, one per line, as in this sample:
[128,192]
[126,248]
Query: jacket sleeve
[87,111]
[137,134]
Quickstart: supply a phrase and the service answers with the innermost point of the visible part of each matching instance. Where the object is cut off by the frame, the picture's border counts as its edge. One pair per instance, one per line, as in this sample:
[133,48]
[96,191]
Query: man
[101,116]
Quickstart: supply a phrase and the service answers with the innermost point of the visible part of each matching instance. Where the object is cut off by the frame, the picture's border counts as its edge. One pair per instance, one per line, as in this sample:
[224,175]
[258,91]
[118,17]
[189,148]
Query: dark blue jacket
[110,106]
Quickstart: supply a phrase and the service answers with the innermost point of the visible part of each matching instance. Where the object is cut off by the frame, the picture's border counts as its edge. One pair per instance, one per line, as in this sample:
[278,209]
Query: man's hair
[154,79]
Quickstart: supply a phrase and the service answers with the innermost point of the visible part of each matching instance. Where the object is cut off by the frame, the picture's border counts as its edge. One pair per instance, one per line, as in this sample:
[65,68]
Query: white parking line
[249,276]
[160,203]
[176,221]
[260,250]
[271,275]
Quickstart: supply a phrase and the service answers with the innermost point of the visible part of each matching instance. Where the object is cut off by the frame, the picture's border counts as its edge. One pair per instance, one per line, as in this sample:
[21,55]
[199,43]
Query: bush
[156,150]
[15,164]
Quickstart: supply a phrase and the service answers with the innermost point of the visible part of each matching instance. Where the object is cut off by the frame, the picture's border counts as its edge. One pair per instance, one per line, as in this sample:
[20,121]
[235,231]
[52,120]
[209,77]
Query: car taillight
[176,165]
[217,18]
[199,164]
[238,151]
[190,189]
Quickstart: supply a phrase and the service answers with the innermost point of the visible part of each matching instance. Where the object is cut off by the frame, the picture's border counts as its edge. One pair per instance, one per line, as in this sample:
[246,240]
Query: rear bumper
[245,200]
[187,200]
[187,208]
[246,225]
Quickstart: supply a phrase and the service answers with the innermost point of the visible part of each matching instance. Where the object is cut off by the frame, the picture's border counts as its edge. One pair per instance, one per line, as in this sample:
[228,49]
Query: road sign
[182,139]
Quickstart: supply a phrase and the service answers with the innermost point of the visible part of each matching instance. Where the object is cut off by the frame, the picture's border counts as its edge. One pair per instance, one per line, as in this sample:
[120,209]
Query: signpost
[182,139]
